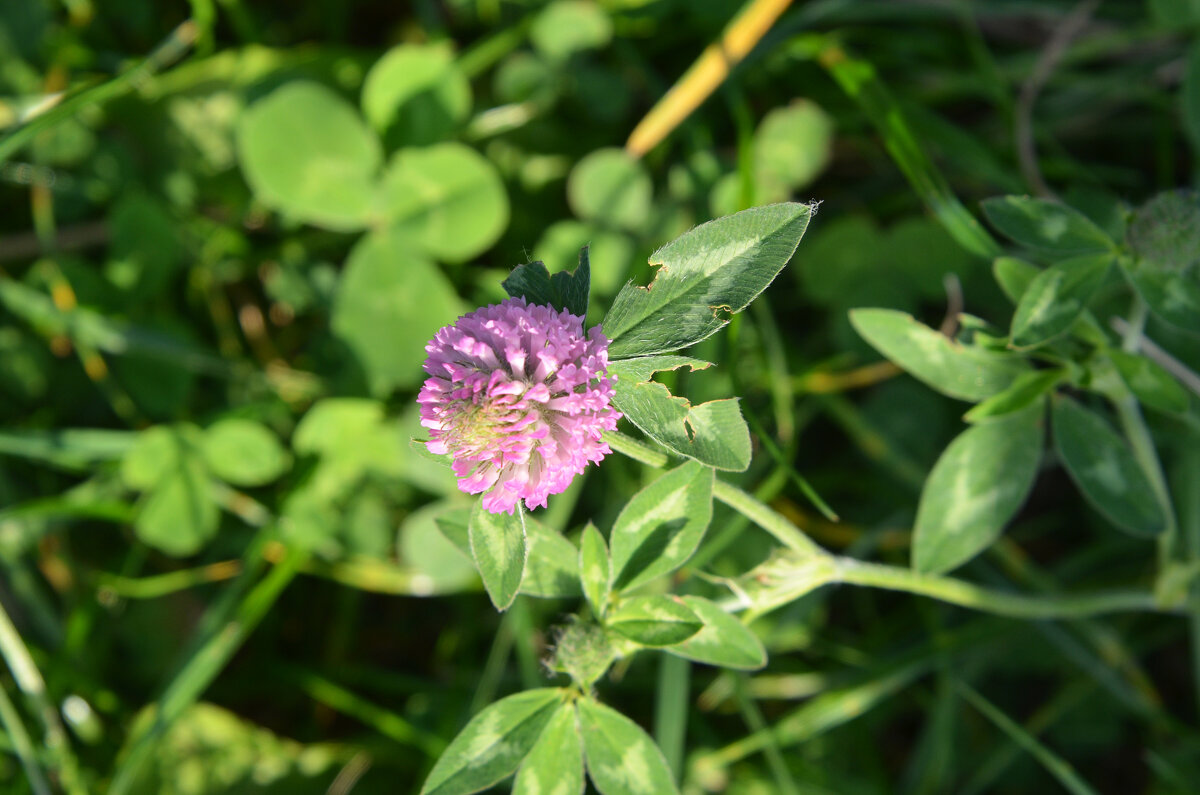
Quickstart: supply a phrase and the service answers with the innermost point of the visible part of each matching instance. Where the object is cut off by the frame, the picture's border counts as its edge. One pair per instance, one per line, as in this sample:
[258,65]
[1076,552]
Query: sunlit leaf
[555,764]
[305,151]
[658,620]
[491,747]
[960,371]
[499,548]
[704,277]
[621,758]
[661,526]
[713,433]
[723,640]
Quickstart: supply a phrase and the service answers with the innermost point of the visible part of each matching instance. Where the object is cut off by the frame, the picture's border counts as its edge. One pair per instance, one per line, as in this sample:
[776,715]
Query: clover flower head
[518,396]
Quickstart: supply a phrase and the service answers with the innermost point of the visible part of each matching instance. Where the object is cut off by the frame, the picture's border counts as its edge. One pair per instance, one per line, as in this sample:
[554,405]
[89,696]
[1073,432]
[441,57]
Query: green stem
[384,721]
[988,600]
[1140,439]
[763,516]
[671,709]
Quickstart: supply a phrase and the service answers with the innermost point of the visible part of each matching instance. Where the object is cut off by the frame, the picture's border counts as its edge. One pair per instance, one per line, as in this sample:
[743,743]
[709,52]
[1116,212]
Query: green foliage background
[229,227]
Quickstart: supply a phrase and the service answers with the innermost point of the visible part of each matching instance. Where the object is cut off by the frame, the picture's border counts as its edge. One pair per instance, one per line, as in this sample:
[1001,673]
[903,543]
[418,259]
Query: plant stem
[762,515]
[671,709]
[1140,439]
[988,600]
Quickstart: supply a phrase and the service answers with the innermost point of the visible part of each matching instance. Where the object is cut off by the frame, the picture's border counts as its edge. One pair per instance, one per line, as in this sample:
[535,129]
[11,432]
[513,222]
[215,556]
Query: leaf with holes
[713,433]
[704,277]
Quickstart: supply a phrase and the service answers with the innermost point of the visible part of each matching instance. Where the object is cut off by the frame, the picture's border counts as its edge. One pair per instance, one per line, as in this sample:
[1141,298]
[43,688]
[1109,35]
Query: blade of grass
[22,745]
[859,80]
[30,682]
[223,630]
[384,721]
[671,709]
[994,765]
[170,50]
[755,721]
[1055,765]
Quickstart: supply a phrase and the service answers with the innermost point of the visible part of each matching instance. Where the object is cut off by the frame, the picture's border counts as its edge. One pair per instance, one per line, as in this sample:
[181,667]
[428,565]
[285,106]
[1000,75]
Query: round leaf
[305,151]
[244,452]
[793,144]
[416,95]
[612,187]
[568,26]
[390,302]
[448,198]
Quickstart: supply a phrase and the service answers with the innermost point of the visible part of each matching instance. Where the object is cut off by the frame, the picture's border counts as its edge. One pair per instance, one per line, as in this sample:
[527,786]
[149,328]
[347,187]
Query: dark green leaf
[661,526]
[1150,383]
[1103,467]
[1056,298]
[1172,295]
[659,620]
[975,488]
[563,290]
[492,745]
[705,276]
[1046,226]
[499,549]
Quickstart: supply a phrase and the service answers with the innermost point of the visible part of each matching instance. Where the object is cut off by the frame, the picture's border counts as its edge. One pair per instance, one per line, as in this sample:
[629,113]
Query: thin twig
[1160,357]
[1072,25]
